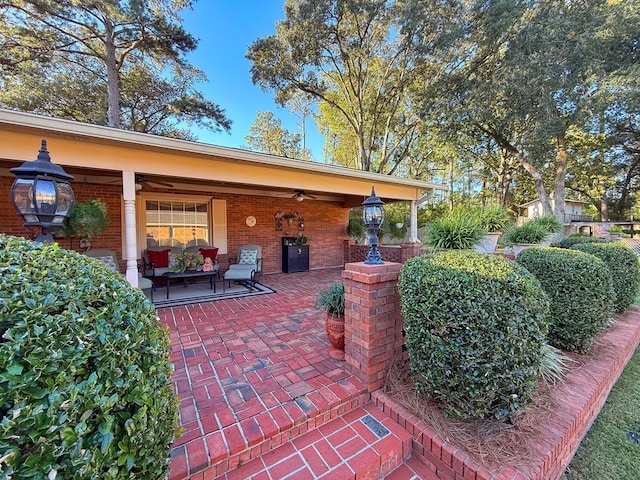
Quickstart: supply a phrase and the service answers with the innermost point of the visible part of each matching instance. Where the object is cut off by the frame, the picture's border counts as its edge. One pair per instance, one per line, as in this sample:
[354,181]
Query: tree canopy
[103,48]
[351,56]
[267,135]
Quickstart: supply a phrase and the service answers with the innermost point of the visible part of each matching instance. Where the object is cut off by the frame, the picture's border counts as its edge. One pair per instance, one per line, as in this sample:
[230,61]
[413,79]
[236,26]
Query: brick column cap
[370,274]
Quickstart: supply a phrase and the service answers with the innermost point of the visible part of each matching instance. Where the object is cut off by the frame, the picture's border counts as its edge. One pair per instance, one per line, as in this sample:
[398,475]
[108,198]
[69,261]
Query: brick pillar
[373,323]
[409,250]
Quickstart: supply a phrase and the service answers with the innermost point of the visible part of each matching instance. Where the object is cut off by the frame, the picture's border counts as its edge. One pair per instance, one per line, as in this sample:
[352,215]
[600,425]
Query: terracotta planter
[334,326]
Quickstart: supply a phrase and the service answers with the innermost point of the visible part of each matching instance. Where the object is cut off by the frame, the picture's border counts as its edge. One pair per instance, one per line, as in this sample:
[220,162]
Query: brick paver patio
[253,372]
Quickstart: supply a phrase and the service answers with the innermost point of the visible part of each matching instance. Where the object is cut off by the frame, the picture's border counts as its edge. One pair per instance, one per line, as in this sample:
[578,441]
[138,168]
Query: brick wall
[325,223]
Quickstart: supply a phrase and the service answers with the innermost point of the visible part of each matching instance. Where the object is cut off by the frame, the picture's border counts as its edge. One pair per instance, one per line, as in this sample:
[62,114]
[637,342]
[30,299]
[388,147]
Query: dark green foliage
[579,286]
[571,241]
[493,218]
[459,229]
[623,265]
[331,300]
[474,329]
[550,223]
[530,232]
[85,379]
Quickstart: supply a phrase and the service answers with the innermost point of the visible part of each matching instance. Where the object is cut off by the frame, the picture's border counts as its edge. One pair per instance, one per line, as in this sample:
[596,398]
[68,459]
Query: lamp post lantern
[41,194]
[373,216]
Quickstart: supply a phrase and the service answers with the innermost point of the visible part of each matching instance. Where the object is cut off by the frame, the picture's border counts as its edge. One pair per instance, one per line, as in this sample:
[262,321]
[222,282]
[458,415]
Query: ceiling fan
[300,195]
[141,180]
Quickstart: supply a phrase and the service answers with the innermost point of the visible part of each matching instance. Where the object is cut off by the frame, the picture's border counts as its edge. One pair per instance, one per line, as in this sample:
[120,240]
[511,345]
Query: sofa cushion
[211,253]
[160,258]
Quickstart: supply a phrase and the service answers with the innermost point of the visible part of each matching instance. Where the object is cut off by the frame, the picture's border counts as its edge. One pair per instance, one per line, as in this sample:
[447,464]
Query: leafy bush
[575,240]
[530,232]
[85,381]
[459,229]
[581,293]
[474,328]
[624,267]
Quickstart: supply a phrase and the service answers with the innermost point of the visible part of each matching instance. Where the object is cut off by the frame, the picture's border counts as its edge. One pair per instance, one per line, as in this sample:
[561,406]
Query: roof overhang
[190,165]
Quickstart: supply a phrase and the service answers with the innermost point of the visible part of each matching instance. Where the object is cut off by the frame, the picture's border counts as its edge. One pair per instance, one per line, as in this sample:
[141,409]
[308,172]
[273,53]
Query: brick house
[166,191]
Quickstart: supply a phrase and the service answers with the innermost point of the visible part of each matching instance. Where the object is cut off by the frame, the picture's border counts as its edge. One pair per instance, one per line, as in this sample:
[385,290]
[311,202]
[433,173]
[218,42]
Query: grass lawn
[608,452]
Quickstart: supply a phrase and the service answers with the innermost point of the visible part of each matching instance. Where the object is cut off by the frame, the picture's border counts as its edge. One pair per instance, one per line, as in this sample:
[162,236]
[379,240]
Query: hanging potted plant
[331,300]
[87,219]
[290,217]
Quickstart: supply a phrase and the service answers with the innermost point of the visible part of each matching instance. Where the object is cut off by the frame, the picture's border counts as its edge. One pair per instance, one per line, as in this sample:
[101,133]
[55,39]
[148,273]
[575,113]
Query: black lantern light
[41,194]
[373,216]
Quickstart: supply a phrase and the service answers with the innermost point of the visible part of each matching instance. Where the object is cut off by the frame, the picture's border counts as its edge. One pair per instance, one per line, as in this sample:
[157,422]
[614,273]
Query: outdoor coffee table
[191,274]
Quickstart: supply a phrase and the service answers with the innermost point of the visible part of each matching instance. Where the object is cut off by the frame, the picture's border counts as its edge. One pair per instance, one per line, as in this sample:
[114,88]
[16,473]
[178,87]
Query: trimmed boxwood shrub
[579,286]
[474,328]
[624,267]
[85,379]
[571,241]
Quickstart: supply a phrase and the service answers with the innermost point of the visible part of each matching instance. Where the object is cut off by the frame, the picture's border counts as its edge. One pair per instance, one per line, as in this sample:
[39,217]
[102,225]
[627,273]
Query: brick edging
[579,398]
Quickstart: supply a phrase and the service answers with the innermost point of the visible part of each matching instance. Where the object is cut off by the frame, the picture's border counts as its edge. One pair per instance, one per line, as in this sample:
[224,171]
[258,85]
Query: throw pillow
[248,257]
[109,262]
[172,259]
[160,258]
[211,253]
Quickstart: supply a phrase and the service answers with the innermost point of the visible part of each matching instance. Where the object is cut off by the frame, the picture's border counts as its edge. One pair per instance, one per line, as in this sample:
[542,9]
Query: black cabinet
[295,258]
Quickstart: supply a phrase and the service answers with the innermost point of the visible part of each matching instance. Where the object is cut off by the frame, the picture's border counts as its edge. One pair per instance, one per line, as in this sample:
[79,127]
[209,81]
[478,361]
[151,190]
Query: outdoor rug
[201,292]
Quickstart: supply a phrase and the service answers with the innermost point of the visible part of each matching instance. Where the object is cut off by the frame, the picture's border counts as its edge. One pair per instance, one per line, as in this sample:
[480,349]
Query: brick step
[364,443]
[412,469]
[238,443]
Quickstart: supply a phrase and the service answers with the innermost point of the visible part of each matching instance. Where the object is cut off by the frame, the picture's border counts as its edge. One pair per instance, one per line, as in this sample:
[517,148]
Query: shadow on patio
[253,372]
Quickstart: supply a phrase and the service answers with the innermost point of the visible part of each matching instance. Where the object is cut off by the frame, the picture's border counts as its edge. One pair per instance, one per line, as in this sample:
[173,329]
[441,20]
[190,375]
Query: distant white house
[572,211]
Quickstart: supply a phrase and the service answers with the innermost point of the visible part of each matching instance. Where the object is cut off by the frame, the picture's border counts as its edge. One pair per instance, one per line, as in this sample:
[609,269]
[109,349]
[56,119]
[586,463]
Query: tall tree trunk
[604,208]
[451,184]
[561,175]
[113,88]
[538,181]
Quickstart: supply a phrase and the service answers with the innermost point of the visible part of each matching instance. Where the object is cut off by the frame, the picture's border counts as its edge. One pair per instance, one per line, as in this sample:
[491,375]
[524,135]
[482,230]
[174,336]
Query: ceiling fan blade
[140,178]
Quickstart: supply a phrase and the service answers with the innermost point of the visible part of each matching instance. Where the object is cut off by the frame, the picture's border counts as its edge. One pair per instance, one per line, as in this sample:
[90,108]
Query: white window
[182,221]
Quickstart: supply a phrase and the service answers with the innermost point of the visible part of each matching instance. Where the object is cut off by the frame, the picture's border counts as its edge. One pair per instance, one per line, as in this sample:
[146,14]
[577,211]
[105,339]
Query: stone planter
[518,247]
[334,326]
[488,243]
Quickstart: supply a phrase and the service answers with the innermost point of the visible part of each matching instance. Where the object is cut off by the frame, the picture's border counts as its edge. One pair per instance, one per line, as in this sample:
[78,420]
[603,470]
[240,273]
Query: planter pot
[334,326]
[518,247]
[488,243]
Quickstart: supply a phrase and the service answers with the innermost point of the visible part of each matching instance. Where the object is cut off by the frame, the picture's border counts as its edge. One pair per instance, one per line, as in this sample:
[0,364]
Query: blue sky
[225,29]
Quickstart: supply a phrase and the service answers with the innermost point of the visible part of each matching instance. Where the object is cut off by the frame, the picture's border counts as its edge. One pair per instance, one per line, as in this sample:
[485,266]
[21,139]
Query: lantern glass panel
[21,195]
[45,197]
[373,214]
[65,201]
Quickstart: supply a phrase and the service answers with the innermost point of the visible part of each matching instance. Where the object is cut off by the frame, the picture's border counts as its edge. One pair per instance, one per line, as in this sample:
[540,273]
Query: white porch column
[131,248]
[413,223]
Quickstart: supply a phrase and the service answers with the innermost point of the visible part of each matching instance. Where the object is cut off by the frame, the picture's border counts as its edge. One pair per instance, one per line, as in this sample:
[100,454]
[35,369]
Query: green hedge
[85,379]
[580,288]
[571,241]
[474,328]
[624,267]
